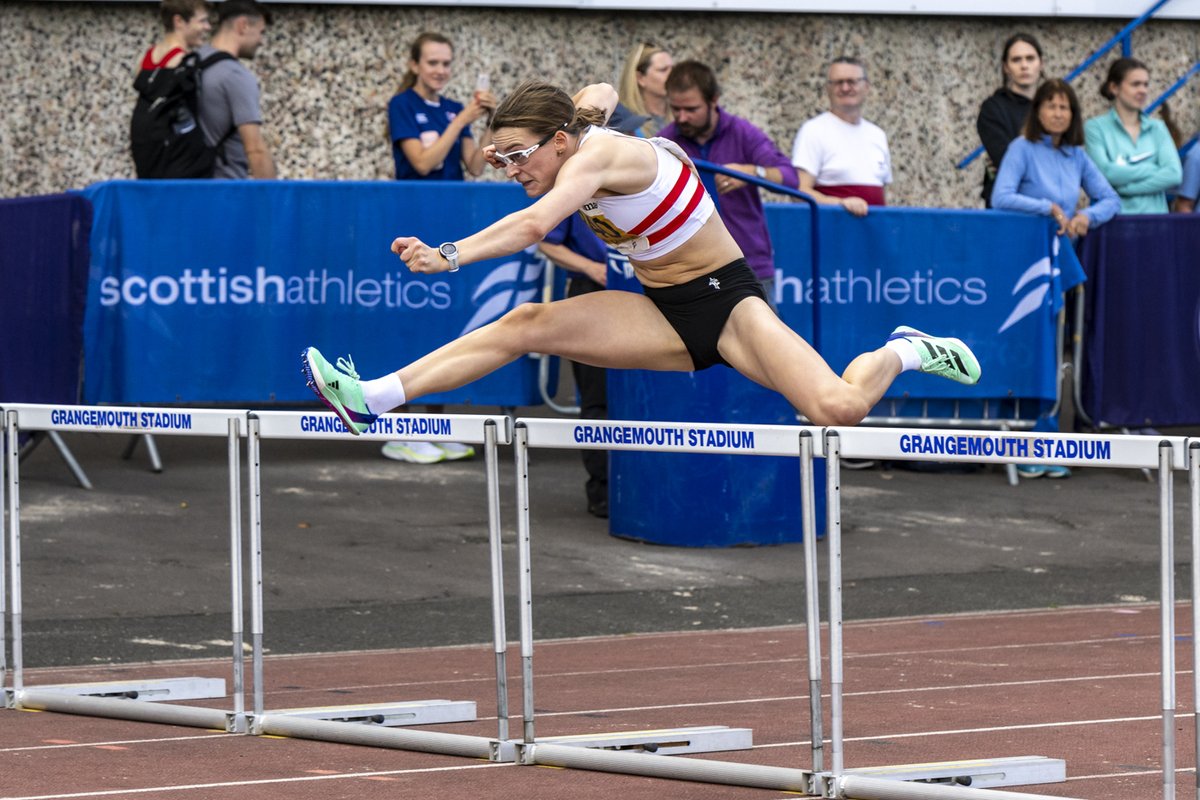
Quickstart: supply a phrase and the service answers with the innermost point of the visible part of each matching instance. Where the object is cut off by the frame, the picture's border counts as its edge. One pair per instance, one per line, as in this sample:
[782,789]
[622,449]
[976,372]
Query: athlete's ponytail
[543,108]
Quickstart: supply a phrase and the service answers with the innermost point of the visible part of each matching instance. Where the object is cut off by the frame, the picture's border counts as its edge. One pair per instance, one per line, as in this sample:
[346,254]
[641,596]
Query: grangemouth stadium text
[1005,447]
[392,426]
[122,418]
[648,436]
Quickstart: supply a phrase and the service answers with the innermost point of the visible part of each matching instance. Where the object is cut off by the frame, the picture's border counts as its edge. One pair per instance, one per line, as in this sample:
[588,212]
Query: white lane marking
[262,782]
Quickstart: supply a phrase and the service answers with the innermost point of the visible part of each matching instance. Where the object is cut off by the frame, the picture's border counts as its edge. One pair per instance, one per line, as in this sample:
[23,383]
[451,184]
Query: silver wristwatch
[449,251]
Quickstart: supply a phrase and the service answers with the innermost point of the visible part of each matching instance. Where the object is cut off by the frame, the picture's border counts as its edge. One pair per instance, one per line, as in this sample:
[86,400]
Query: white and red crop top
[657,219]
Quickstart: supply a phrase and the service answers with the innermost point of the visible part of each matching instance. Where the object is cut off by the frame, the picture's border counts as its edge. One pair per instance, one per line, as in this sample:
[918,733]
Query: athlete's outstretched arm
[578,180]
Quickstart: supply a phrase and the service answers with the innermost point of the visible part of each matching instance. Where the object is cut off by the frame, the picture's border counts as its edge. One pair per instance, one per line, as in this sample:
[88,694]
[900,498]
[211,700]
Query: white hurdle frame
[767,440]
[778,440]
[486,431]
[1165,454]
[94,699]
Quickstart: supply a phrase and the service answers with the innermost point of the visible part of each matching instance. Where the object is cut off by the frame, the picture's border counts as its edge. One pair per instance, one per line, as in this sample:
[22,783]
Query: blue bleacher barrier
[1141,362]
[43,286]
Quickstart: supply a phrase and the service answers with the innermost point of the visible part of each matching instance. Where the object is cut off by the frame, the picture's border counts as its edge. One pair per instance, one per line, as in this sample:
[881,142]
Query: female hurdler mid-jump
[702,304]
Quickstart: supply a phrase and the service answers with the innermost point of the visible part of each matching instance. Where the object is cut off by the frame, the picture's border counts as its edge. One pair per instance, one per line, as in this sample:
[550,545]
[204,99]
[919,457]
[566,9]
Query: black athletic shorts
[698,309]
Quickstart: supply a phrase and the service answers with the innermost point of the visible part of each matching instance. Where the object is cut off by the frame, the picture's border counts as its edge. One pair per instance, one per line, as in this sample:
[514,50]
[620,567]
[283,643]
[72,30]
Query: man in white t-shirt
[843,159]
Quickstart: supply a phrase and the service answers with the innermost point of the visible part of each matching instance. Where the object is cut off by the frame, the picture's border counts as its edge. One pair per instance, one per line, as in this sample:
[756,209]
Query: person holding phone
[431,140]
[1136,153]
[430,133]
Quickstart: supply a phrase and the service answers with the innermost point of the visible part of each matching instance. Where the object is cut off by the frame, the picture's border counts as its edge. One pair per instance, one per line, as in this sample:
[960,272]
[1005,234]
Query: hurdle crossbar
[1075,450]
[110,700]
[682,437]
[349,724]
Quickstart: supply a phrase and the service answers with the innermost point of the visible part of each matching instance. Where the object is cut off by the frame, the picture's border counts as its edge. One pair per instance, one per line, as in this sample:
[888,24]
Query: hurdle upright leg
[3,557]
[238,722]
[833,532]
[12,454]
[499,633]
[812,603]
[521,454]
[253,444]
[1193,462]
[1166,486]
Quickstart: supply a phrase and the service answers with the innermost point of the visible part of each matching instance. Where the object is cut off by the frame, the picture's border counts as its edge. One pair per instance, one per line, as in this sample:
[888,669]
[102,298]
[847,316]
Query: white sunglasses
[519,158]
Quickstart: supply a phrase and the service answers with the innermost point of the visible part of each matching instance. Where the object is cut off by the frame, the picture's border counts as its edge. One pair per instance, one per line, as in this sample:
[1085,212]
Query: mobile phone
[483,82]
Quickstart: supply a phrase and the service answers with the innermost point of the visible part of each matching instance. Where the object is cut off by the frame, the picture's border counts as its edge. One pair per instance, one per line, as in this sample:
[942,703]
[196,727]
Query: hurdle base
[986,773]
[389,715]
[148,691]
[665,741]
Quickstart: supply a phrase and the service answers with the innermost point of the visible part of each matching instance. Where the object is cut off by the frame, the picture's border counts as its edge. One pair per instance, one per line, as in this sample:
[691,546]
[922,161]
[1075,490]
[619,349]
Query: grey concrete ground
[362,552]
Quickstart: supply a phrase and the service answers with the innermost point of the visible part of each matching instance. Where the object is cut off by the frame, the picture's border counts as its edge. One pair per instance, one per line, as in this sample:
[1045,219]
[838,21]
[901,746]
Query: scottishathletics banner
[207,291]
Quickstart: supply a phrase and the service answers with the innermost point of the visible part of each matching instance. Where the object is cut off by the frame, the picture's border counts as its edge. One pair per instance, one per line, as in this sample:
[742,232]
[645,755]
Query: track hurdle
[140,700]
[1165,454]
[888,783]
[377,723]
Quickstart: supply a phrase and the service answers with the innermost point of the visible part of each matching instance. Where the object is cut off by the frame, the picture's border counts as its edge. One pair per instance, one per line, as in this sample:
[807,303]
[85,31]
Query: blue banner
[1141,364]
[992,279]
[43,286]
[207,291]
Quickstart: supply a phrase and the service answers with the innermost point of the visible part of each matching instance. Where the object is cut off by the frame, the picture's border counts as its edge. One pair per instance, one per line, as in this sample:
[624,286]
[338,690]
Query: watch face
[448,249]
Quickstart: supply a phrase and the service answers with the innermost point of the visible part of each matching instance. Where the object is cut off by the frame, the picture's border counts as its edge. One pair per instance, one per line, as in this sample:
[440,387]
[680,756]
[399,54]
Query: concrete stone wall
[327,72]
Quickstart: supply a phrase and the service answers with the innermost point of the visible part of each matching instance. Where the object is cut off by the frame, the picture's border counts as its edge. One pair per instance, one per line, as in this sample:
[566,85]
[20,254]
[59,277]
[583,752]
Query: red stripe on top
[148,62]
[666,204]
[676,223]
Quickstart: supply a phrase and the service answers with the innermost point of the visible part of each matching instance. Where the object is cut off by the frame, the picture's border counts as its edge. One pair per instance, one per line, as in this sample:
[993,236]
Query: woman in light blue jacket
[1042,173]
[1134,152]
[1044,168]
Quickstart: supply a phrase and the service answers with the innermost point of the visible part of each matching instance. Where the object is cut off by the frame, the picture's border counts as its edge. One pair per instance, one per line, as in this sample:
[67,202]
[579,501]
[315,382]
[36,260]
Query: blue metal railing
[815,250]
[1123,37]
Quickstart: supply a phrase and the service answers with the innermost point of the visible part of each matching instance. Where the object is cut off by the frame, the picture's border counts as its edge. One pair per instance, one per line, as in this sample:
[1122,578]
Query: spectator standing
[186,25]
[1136,153]
[1042,173]
[1189,189]
[230,111]
[705,130]
[1002,116]
[430,133]
[643,85]
[843,158]
[431,140]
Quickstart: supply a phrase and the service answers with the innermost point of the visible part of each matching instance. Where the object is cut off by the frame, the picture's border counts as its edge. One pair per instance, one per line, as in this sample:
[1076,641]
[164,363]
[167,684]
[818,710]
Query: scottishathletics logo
[506,287]
[1036,282]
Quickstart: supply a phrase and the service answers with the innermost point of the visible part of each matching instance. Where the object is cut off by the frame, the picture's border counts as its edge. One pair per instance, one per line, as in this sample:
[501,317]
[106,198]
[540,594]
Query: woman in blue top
[1042,173]
[1134,152]
[1044,169]
[431,134]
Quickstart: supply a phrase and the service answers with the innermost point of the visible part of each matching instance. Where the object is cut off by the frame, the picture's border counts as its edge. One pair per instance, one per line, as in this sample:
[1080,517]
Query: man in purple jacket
[705,130]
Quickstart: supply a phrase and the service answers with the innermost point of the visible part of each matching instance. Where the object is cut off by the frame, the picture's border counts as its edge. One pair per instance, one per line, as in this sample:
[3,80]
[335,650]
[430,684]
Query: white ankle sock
[383,394]
[910,359]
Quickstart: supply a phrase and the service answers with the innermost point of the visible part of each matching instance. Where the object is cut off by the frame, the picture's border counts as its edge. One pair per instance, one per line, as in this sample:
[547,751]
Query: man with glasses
[843,159]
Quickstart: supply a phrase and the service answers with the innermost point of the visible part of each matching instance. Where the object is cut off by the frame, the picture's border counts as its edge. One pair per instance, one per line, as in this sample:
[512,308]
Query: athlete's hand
[418,256]
[489,153]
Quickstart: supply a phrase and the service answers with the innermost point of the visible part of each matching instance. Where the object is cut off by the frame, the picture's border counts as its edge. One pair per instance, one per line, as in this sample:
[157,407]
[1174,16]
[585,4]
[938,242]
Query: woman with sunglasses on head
[1136,153]
[702,304]
[643,86]
[431,140]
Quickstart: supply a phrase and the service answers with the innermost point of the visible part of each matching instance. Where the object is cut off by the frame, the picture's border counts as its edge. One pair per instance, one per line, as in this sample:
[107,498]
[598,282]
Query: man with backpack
[165,139]
[229,109]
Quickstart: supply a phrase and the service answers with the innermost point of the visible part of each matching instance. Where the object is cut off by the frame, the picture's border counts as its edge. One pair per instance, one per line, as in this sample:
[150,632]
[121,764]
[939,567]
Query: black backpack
[164,134]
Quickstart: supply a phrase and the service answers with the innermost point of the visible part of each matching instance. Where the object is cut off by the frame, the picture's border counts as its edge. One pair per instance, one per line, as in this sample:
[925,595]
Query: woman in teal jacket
[1134,152]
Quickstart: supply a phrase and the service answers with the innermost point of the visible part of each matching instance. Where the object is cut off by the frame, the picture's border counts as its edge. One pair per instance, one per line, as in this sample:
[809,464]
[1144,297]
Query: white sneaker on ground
[414,452]
[455,451]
